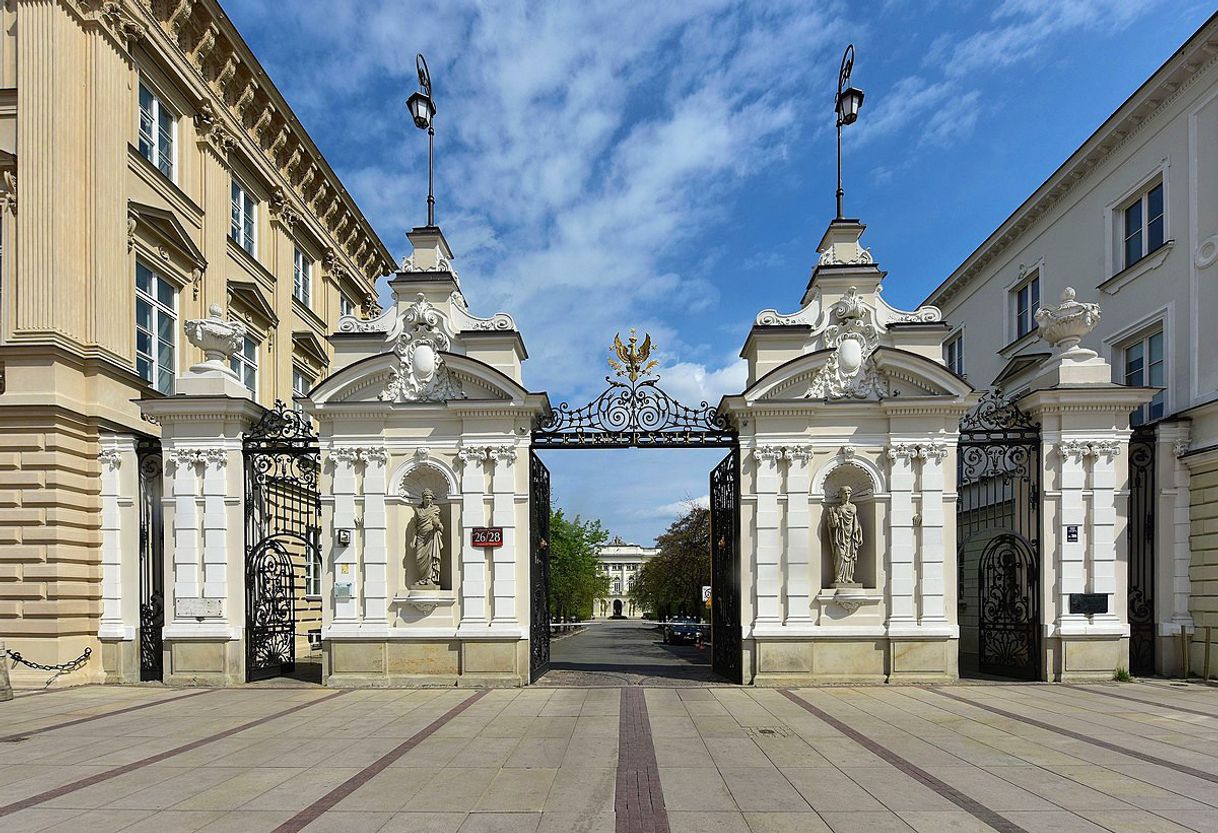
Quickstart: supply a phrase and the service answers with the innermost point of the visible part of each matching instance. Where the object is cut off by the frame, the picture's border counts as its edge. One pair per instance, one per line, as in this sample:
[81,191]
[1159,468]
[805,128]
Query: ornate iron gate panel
[725,568]
[539,567]
[151,559]
[1141,532]
[998,527]
[282,519]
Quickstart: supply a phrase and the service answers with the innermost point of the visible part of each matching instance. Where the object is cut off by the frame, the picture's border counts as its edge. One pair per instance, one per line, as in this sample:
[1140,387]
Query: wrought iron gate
[1141,532]
[539,567]
[725,568]
[282,519]
[151,560]
[998,527]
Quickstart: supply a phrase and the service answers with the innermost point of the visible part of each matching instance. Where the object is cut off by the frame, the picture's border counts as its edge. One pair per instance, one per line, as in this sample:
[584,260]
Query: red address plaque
[486,536]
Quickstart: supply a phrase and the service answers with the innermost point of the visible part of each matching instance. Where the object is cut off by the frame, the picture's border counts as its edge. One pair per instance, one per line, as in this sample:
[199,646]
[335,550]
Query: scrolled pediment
[886,373]
[377,380]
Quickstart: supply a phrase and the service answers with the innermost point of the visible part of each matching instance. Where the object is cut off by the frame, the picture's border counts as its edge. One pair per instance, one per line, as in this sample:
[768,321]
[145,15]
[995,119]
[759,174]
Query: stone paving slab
[1132,758]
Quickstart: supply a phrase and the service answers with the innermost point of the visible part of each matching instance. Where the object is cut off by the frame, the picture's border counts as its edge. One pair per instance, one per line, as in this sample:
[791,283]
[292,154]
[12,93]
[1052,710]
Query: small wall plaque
[198,608]
[1088,603]
[1072,534]
[486,536]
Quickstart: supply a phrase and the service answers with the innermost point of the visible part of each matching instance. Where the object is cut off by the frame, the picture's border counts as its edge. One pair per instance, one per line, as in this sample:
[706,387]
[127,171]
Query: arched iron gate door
[539,567]
[998,528]
[725,568]
[282,530]
[151,560]
[1141,537]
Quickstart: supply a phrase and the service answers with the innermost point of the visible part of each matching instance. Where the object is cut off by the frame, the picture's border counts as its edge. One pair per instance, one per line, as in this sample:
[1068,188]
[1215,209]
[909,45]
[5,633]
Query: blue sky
[671,166]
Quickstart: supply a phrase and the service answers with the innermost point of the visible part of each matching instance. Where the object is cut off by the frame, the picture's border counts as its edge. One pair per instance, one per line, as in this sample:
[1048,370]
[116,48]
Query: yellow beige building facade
[160,173]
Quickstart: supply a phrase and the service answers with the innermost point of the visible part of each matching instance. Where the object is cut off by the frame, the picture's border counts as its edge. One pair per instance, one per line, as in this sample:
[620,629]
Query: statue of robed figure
[845,537]
[428,540]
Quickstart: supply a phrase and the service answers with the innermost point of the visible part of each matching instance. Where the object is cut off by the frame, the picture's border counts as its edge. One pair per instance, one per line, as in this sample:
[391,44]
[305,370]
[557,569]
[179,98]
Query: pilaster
[769,541]
[119,467]
[474,610]
[374,566]
[932,585]
[799,542]
[901,546]
[347,585]
[503,559]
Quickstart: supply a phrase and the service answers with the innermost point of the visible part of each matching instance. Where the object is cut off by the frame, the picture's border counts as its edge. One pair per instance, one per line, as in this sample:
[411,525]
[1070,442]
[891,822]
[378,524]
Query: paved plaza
[1137,758]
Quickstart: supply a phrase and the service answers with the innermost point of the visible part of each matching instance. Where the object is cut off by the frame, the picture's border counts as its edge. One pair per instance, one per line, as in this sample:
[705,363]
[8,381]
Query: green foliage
[1121,675]
[670,584]
[575,582]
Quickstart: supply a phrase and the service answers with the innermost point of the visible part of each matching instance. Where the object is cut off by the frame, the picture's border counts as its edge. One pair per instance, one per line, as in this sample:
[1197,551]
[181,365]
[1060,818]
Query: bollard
[6,688]
[1205,665]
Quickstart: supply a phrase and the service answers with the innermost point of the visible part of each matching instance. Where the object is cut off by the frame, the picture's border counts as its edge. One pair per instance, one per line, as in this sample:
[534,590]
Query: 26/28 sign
[486,536]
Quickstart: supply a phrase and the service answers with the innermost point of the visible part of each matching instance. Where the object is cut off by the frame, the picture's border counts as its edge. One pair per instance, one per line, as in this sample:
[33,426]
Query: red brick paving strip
[1049,727]
[974,808]
[9,809]
[314,811]
[115,713]
[638,801]
[1138,700]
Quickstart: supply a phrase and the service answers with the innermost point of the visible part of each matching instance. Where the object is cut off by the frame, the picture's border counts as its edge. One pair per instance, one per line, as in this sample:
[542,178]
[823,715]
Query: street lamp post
[423,110]
[849,100]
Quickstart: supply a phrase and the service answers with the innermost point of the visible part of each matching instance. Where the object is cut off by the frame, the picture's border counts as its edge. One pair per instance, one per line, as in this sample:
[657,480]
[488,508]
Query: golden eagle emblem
[633,356]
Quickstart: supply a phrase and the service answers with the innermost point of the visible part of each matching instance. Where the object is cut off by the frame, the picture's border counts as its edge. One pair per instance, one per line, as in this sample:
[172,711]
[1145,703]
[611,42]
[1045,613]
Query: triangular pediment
[885,374]
[165,228]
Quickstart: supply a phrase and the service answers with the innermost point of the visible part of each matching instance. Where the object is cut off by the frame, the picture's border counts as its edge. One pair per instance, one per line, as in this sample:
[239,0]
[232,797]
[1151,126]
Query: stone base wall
[120,660]
[1085,659]
[853,660]
[440,663]
[204,662]
[50,542]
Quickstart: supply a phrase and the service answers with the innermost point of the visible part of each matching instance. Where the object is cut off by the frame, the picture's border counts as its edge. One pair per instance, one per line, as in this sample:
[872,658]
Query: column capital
[1088,448]
[769,453]
[936,451]
[903,451]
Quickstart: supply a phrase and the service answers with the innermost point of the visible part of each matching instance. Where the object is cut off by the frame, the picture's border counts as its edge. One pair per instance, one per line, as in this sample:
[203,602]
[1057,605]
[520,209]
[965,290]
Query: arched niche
[863,486]
[407,485]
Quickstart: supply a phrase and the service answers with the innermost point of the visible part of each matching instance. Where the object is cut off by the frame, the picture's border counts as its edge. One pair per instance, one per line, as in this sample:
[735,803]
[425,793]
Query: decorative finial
[217,337]
[1065,325]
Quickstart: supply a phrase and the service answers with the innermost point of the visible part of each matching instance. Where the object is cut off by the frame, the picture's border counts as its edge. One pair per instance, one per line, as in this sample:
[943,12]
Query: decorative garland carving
[420,337]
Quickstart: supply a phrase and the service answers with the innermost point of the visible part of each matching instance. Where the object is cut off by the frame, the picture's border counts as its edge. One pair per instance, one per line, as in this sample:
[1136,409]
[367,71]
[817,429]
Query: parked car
[679,630]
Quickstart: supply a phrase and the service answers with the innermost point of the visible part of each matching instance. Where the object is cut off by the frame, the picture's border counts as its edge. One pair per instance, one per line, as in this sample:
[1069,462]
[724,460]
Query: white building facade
[620,563]
[1130,221]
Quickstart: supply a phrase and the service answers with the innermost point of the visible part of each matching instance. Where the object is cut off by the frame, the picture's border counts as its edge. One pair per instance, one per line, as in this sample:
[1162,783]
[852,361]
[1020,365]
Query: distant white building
[621,562]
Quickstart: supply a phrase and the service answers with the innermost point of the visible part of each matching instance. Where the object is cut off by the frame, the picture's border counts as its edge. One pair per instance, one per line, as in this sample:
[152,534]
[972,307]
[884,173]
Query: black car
[677,631]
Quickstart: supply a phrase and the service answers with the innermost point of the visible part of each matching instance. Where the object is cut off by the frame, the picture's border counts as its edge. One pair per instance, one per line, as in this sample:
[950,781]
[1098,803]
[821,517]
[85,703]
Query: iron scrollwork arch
[634,413]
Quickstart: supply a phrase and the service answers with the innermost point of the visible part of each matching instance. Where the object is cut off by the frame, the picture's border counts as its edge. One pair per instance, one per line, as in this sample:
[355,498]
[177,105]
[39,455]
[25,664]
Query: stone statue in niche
[428,540]
[845,537]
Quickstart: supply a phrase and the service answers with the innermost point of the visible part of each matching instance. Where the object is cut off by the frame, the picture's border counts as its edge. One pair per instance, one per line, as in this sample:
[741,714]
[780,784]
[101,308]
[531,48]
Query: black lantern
[423,110]
[849,100]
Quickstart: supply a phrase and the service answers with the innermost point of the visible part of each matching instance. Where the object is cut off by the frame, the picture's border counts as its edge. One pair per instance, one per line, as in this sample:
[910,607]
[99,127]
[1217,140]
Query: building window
[1145,367]
[1142,225]
[1027,301]
[313,573]
[302,383]
[345,307]
[245,364]
[616,589]
[157,127]
[156,326]
[302,277]
[953,354]
[244,222]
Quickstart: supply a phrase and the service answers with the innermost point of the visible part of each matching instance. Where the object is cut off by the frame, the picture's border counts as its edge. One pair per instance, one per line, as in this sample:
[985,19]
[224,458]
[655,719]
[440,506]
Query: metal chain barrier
[60,669]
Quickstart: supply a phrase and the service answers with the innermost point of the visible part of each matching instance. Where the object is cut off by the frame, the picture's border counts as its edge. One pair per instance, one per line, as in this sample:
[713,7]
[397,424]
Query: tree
[575,579]
[670,584]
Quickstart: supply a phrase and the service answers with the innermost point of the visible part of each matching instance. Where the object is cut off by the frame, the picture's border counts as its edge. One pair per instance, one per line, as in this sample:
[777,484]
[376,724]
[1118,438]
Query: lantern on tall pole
[423,110]
[849,100]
